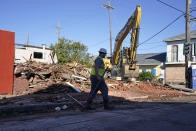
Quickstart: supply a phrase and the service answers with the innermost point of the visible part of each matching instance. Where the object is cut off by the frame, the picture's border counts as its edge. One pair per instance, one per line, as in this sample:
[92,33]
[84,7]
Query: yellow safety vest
[100,70]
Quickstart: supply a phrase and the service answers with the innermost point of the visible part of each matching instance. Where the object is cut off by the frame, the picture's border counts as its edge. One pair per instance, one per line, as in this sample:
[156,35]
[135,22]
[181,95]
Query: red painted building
[7,41]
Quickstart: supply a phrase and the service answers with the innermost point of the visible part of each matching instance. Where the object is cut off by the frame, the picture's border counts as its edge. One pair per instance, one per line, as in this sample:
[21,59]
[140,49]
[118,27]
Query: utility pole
[109,7]
[58,28]
[188,57]
[27,38]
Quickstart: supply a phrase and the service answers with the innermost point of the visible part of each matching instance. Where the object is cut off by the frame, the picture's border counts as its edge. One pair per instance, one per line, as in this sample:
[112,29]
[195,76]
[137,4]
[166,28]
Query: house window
[153,71]
[38,55]
[143,69]
[174,53]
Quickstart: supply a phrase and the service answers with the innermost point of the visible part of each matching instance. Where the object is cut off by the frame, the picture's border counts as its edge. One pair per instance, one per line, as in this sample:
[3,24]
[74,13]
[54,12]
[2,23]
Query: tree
[69,51]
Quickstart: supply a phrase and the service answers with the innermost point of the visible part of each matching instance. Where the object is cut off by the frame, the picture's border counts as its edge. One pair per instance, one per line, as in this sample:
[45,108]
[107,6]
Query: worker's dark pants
[95,88]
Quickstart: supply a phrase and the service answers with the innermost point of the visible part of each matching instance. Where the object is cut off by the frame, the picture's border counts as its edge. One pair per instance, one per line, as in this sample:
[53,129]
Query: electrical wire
[144,42]
[150,43]
[152,47]
[171,6]
[98,43]
[167,25]
[161,30]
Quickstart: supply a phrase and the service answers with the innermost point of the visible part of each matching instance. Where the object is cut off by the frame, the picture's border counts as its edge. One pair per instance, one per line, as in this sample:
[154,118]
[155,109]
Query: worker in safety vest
[97,81]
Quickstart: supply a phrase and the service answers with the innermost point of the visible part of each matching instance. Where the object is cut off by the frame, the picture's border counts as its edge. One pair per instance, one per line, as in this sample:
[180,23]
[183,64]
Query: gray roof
[23,45]
[181,37]
[151,59]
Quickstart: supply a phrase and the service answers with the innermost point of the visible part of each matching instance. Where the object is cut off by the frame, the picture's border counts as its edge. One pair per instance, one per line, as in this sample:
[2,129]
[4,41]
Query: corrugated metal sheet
[7,40]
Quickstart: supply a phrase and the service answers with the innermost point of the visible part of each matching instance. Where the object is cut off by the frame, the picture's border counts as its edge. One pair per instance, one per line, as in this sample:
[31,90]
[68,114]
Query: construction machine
[124,59]
[108,66]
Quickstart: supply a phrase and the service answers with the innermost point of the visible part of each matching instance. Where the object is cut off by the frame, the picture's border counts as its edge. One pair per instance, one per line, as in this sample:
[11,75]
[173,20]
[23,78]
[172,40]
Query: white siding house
[42,54]
[175,52]
[175,59]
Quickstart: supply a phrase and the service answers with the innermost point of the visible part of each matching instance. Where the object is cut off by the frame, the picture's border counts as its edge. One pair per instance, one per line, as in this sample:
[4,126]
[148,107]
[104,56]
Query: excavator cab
[127,67]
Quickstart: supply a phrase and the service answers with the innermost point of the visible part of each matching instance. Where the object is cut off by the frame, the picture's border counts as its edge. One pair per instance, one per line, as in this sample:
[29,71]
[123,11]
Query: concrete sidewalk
[181,88]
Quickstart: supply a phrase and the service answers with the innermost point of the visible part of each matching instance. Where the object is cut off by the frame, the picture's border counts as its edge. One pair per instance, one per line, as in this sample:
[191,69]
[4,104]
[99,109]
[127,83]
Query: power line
[171,6]
[161,30]
[98,43]
[150,43]
[153,42]
[152,47]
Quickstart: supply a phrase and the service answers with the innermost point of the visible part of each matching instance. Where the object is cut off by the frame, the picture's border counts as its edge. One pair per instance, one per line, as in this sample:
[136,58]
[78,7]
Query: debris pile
[36,83]
[141,91]
[33,76]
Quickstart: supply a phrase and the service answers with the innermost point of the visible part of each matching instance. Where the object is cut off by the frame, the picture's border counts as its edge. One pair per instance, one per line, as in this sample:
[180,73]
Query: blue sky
[87,21]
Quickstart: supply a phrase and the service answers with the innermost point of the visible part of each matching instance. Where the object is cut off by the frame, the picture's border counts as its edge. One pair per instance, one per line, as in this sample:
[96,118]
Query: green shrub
[144,76]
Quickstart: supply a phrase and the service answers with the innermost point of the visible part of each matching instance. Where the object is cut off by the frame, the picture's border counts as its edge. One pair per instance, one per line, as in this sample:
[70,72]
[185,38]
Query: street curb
[50,107]
[35,108]
[38,108]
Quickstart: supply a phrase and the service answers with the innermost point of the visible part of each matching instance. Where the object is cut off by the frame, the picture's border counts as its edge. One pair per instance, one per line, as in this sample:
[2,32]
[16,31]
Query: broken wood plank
[73,87]
[78,77]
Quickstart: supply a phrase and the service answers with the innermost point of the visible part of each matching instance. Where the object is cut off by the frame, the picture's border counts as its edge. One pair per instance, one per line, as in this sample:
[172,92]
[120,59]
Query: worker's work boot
[88,106]
[107,106]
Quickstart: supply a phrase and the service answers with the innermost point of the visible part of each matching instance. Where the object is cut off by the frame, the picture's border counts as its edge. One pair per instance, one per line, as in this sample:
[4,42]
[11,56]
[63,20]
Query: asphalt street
[141,116]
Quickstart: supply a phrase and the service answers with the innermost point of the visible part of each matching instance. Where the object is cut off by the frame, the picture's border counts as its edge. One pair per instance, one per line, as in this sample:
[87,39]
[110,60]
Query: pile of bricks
[32,76]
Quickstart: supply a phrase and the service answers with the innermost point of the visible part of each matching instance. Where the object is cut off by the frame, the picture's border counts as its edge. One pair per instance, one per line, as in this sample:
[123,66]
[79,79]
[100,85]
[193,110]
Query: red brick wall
[7,40]
[175,73]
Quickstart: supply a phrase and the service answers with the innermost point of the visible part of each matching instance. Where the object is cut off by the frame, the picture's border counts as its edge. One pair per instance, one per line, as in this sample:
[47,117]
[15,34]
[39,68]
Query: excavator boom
[133,24]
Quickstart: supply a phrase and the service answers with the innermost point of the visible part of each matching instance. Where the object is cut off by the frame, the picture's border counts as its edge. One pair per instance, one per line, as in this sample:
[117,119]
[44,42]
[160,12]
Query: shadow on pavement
[58,95]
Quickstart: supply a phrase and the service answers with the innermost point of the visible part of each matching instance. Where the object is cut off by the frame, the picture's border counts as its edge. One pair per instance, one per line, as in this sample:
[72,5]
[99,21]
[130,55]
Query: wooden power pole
[188,56]
[109,7]
[58,28]
[27,38]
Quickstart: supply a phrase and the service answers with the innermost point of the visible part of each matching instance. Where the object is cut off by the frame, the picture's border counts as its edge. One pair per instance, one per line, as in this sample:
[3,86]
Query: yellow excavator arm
[133,24]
